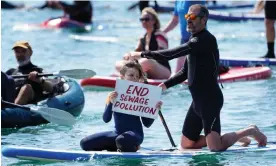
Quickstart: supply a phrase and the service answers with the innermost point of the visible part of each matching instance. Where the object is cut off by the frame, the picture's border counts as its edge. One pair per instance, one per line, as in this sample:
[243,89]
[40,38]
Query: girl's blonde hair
[153,13]
[136,65]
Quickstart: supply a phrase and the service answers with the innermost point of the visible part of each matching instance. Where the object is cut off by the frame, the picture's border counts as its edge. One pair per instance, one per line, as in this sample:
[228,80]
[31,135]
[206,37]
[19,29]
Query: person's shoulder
[37,68]
[208,36]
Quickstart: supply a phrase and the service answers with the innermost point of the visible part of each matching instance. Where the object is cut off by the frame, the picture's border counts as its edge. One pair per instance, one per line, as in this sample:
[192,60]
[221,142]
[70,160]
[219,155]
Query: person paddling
[128,134]
[30,90]
[201,70]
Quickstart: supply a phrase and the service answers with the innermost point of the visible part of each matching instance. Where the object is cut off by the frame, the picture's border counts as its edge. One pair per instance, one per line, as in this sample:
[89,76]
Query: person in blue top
[180,9]
[128,134]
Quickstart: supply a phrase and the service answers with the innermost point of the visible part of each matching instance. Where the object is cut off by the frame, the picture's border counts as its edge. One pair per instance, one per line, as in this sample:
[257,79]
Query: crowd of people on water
[198,62]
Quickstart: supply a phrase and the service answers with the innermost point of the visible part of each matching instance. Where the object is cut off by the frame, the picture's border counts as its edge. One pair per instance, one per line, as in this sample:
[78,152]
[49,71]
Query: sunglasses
[144,19]
[192,16]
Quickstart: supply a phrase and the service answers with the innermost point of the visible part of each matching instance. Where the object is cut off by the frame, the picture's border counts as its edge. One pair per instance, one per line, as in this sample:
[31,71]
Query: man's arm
[168,54]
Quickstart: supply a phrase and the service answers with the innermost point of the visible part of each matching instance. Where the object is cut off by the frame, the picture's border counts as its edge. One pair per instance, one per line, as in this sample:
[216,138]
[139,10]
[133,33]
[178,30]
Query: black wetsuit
[153,46]
[201,69]
[80,11]
[26,69]
[270,10]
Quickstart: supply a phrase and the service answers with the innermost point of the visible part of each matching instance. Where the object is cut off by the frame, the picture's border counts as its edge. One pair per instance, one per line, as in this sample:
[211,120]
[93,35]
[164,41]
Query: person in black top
[80,11]
[201,70]
[29,90]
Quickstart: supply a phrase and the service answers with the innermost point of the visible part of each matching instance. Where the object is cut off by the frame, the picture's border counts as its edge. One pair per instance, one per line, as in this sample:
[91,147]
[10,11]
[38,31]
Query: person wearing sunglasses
[201,70]
[30,90]
[153,40]
[180,9]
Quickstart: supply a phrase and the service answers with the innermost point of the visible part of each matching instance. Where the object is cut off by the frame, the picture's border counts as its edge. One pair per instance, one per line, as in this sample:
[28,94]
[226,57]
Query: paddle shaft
[133,6]
[26,75]
[16,105]
[166,128]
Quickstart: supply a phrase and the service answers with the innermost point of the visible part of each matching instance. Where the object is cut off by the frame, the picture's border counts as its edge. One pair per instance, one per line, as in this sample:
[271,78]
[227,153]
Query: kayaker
[80,11]
[29,90]
[128,134]
[201,70]
[152,40]
[180,9]
[270,17]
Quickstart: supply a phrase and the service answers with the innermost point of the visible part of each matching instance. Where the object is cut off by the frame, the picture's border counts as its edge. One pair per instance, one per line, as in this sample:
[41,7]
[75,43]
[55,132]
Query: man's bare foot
[245,141]
[258,135]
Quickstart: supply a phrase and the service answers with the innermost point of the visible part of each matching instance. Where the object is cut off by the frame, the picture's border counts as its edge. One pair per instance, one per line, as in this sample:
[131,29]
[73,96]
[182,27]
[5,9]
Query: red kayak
[233,75]
[62,23]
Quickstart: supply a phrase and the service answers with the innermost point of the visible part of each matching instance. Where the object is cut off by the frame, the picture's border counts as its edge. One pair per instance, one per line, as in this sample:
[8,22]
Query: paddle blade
[77,73]
[54,115]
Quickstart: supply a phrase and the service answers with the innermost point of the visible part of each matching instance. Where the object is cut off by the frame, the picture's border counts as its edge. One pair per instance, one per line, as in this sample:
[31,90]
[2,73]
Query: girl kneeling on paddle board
[128,134]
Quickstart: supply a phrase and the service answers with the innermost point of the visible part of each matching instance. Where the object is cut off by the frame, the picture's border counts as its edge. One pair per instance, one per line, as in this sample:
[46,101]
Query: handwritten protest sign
[137,98]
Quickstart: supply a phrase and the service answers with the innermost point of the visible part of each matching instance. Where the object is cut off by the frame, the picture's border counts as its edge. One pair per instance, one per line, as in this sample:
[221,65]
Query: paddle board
[233,75]
[40,154]
[233,61]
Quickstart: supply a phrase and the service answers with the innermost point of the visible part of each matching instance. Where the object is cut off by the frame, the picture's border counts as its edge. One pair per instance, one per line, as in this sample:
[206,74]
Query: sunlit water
[245,102]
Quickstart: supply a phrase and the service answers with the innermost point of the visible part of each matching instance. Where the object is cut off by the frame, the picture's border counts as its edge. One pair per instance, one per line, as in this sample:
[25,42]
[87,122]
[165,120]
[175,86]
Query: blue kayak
[235,62]
[40,154]
[70,99]
[170,8]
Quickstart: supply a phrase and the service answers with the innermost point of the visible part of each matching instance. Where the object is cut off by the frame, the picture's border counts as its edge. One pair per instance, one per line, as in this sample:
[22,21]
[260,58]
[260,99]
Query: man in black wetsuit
[29,90]
[201,70]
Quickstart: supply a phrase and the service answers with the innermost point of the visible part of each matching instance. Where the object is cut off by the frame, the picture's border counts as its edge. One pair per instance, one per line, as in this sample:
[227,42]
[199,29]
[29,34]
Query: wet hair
[135,65]
[153,13]
[204,12]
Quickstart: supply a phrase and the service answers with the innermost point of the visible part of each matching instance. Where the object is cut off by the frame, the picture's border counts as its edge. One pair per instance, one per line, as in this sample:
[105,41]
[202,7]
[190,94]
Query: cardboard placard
[137,99]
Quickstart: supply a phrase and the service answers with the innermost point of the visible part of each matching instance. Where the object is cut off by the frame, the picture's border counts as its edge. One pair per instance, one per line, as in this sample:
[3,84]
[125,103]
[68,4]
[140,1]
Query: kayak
[170,8]
[64,23]
[70,99]
[233,75]
[227,16]
[40,154]
[232,61]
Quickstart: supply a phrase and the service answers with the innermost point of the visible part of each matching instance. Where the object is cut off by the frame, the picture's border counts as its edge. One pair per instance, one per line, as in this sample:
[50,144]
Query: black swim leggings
[111,141]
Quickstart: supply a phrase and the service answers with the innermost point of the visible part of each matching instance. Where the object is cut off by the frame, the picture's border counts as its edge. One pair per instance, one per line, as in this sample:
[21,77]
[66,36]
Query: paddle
[73,73]
[52,115]
[131,7]
[166,128]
